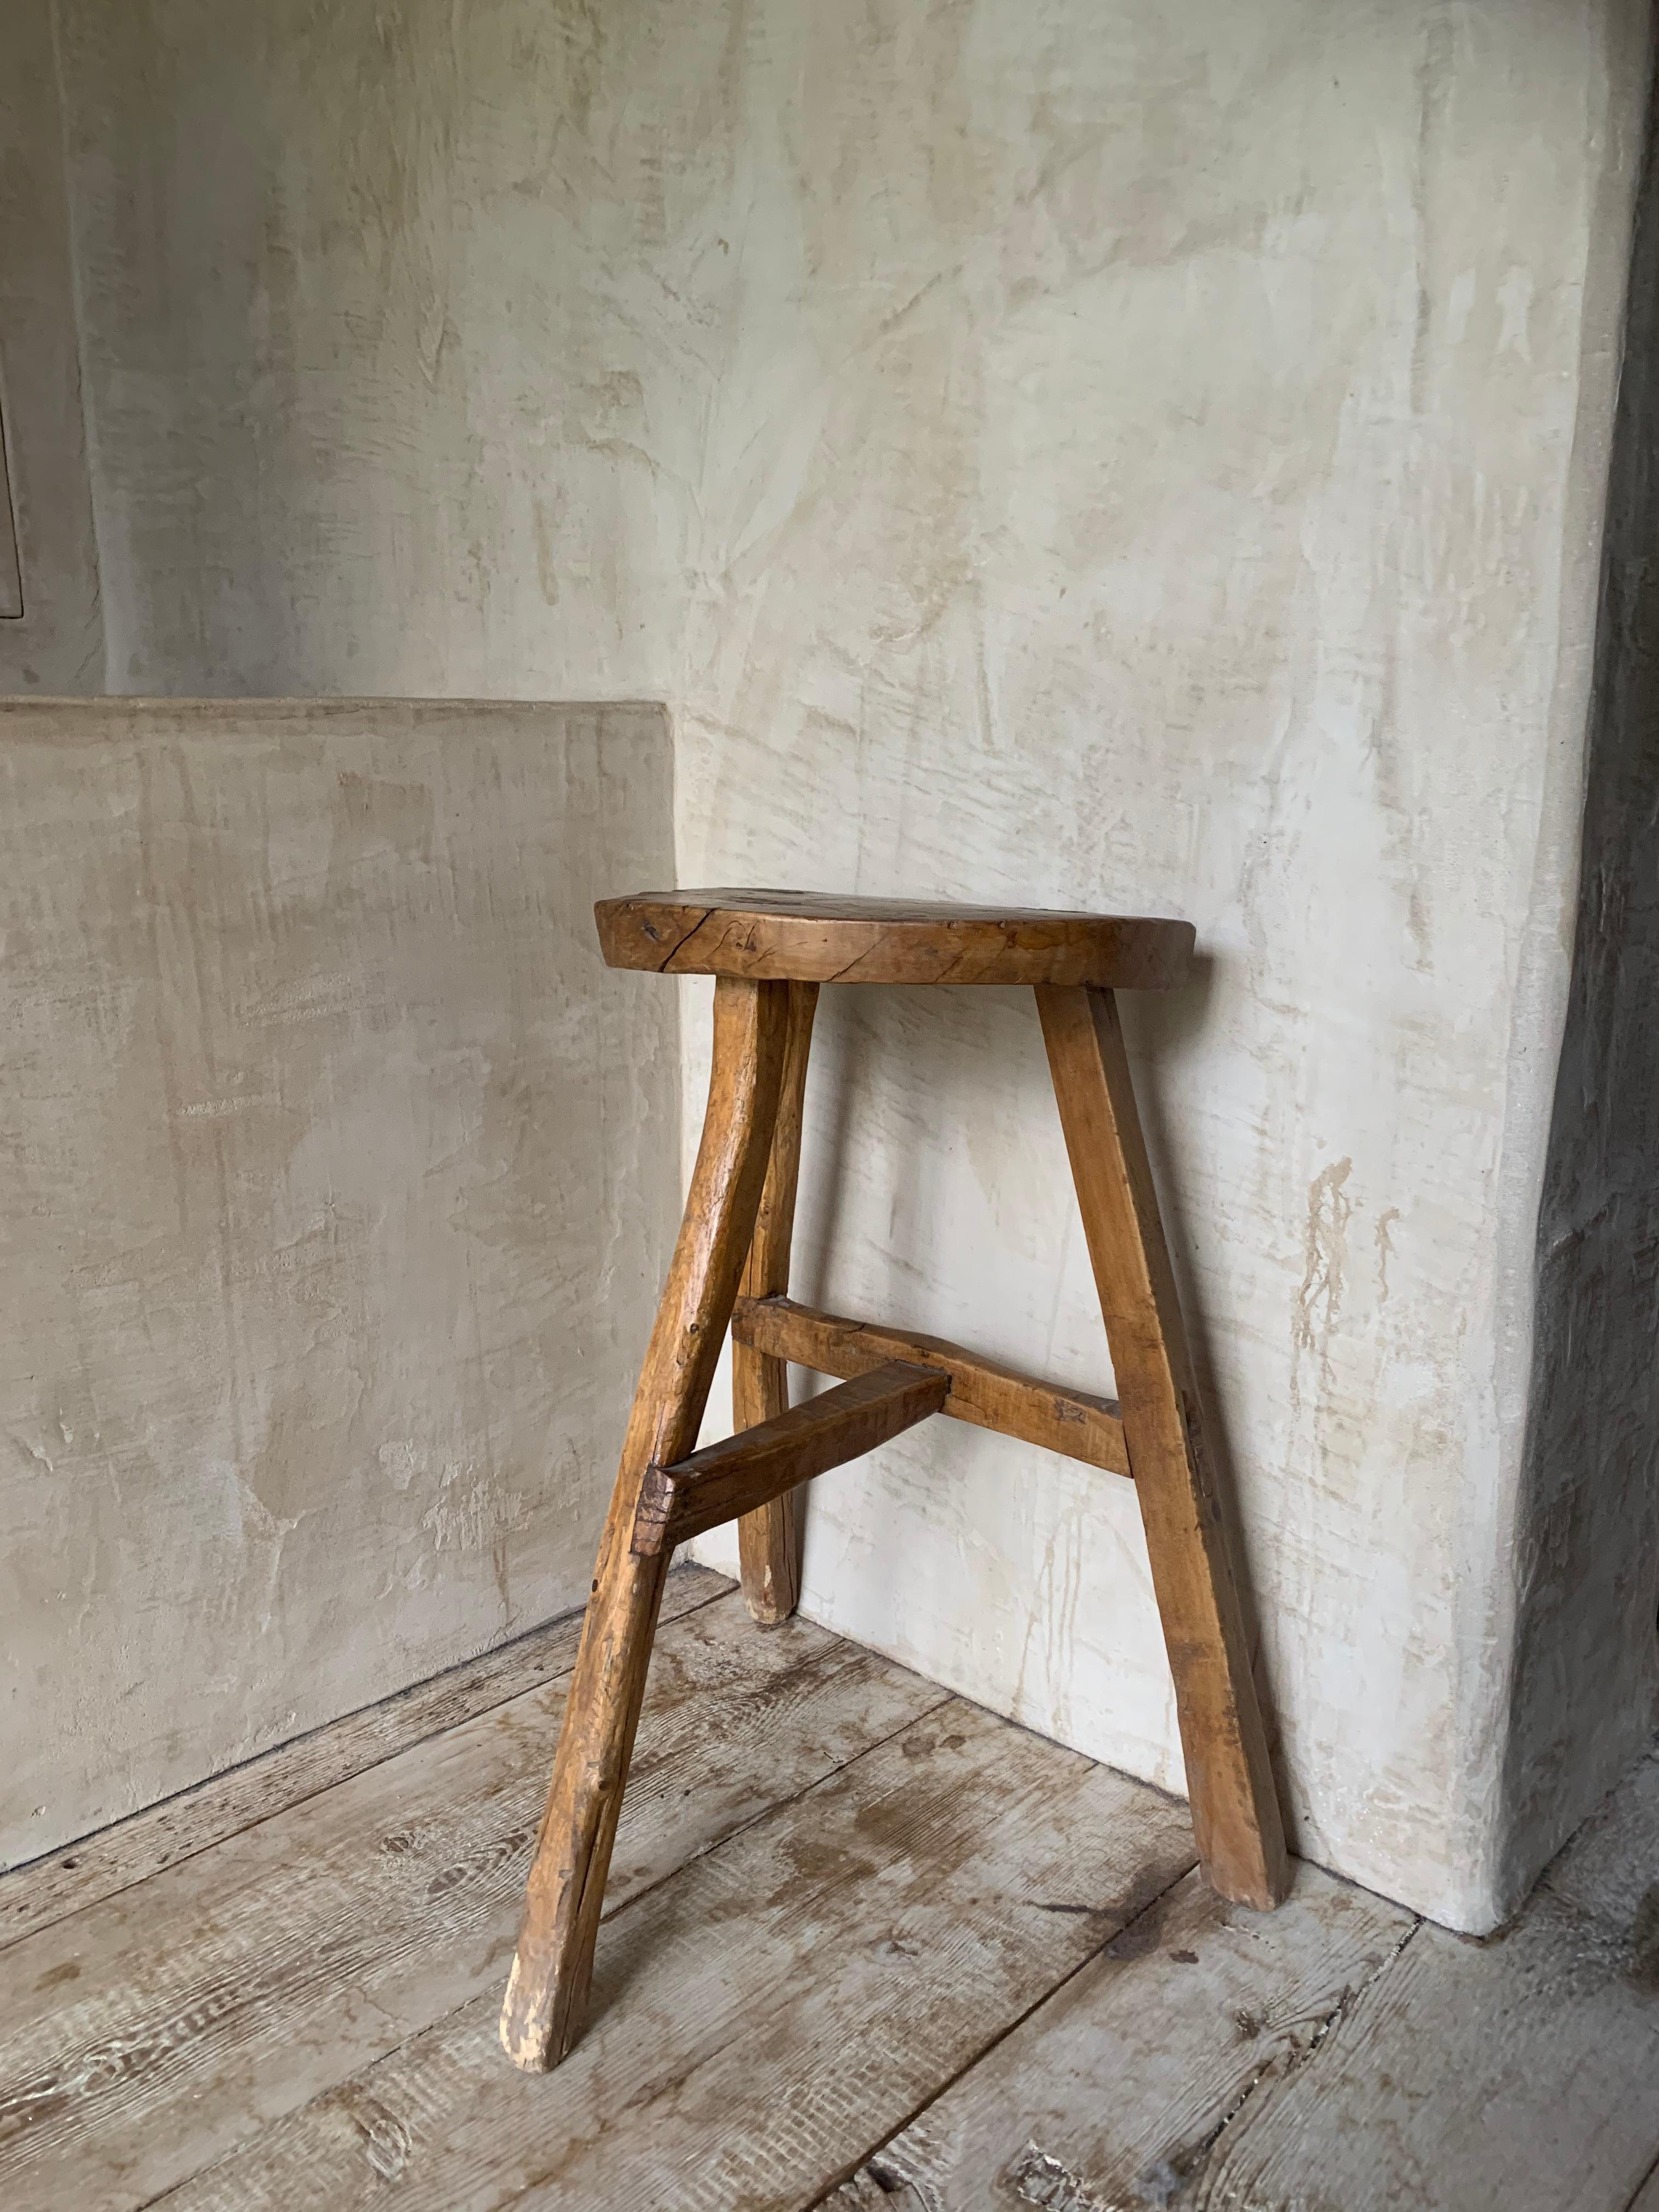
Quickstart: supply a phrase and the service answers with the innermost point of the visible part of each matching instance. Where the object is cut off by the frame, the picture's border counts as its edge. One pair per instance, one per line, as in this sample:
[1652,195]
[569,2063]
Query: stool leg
[547,1991]
[768,1539]
[1236,1815]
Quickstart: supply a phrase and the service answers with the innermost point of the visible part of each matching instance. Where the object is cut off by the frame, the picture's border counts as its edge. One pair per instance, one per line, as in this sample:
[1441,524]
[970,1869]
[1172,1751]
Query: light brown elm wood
[768,1539]
[982,1391]
[547,1989]
[101,1865]
[766,2017]
[1236,1812]
[152,2033]
[812,937]
[716,1485]
[1516,2074]
[1115,2090]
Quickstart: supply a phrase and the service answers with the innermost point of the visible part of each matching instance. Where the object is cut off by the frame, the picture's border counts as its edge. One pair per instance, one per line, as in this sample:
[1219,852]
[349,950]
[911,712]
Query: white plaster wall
[1081,452]
[333,1192]
[1241,565]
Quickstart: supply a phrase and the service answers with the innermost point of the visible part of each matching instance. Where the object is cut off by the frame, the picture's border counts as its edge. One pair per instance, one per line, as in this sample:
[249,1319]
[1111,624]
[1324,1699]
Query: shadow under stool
[769,952]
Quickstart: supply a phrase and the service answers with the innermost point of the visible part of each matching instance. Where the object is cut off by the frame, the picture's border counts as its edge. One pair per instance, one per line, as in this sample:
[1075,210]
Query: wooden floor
[866,1946]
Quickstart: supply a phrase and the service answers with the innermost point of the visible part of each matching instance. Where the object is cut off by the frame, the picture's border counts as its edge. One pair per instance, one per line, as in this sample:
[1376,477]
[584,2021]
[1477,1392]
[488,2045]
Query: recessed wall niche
[51,627]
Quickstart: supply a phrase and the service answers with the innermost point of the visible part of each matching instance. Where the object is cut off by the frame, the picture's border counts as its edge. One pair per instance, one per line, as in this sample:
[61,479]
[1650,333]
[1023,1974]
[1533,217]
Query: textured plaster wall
[1086,454]
[332,1192]
[1586,1659]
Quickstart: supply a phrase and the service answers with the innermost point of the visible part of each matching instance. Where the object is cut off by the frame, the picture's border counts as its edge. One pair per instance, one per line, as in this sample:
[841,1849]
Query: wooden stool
[769,952]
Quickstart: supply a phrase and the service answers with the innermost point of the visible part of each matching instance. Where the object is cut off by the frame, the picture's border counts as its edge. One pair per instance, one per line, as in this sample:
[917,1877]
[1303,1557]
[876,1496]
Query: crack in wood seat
[807,937]
[768,953]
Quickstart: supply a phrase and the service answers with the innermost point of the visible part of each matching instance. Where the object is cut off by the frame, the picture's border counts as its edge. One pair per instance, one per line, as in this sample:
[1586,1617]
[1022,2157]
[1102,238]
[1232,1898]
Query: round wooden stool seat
[807,937]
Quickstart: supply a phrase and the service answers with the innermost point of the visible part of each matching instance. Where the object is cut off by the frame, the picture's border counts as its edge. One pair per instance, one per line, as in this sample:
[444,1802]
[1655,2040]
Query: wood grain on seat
[811,937]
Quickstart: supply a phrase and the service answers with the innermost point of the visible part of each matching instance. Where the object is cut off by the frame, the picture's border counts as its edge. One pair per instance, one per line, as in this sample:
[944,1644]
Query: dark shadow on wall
[1588,1573]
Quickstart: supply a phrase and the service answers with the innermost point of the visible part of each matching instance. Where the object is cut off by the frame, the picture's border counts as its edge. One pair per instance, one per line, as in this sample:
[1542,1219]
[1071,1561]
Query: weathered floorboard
[1114,2091]
[863,2192]
[896,1974]
[113,1860]
[152,2033]
[763,2019]
[1520,2071]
